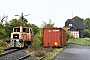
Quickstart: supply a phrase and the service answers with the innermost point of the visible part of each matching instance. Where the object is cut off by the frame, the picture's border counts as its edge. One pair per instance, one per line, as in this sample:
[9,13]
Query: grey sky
[43,10]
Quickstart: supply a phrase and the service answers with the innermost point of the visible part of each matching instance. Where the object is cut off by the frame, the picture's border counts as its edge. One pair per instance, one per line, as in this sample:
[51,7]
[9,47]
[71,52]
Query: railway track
[8,51]
[14,54]
[24,57]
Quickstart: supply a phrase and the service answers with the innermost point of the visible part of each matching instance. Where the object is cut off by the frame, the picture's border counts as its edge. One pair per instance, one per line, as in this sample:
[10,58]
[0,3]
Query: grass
[2,46]
[54,53]
[47,53]
[80,41]
[1,50]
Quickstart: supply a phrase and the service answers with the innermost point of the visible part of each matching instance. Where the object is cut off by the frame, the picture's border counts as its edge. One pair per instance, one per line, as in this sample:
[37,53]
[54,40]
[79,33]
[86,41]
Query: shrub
[37,39]
[68,34]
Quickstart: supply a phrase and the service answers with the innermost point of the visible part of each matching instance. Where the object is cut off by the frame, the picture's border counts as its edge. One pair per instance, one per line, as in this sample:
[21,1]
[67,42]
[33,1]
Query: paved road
[74,52]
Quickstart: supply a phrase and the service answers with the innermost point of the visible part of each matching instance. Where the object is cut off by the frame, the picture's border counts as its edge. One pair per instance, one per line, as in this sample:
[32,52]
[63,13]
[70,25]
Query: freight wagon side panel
[56,37]
[63,37]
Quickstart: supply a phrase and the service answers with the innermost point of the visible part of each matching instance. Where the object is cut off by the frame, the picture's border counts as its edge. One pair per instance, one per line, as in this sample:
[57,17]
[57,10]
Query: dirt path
[74,52]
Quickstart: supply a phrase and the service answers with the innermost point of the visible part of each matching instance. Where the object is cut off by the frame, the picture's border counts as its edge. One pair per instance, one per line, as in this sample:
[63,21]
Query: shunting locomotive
[20,37]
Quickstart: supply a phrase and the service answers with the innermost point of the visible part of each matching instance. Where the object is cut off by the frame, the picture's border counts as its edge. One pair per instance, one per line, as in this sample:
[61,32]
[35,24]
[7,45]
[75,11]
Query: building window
[70,24]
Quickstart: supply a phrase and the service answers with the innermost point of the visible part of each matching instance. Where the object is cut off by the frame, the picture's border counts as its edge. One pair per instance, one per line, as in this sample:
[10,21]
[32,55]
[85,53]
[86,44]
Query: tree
[8,29]
[87,23]
[2,33]
[87,27]
[2,27]
[18,22]
[34,28]
[47,25]
[86,33]
[76,17]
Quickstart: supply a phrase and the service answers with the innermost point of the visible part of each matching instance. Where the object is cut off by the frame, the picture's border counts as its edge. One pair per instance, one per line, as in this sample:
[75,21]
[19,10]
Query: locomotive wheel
[29,42]
[26,45]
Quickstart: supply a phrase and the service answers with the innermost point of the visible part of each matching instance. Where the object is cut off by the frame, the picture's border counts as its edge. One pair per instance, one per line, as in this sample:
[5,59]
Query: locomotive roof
[21,26]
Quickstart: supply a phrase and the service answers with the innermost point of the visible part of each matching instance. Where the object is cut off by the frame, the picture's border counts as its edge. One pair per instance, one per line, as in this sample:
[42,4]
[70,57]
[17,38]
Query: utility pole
[22,17]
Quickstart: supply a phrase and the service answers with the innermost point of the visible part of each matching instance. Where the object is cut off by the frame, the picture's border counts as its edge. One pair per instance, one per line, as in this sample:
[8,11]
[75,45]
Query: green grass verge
[2,45]
[54,53]
[80,41]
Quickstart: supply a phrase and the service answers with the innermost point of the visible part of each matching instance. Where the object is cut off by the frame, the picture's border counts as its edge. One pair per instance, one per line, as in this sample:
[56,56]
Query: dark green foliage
[34,28]
[87,23]
[2,31]
[18,22]
[47,25]
[87,27]
[37,39]
[86,33]
[76,17]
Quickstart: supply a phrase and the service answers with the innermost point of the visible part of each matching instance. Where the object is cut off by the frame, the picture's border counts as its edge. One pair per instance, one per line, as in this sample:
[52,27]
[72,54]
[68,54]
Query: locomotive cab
[20,37]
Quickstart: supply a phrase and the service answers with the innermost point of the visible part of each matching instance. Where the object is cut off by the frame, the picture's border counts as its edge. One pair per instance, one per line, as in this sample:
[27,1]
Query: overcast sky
[43,10]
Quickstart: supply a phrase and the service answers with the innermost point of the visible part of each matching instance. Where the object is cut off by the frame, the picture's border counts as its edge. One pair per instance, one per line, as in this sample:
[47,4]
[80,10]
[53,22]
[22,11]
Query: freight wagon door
[51,37]
[56,37]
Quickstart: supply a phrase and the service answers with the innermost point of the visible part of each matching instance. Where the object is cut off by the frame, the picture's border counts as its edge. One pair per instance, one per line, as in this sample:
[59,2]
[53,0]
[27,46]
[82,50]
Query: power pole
[22,17]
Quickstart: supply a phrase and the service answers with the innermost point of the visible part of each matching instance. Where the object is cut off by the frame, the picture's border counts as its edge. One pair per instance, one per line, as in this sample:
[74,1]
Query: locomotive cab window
[31,30]
[16,29]
[26,30]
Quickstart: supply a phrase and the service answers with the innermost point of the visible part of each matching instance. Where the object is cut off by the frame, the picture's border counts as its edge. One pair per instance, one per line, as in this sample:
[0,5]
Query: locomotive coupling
[8,45]
[21,45]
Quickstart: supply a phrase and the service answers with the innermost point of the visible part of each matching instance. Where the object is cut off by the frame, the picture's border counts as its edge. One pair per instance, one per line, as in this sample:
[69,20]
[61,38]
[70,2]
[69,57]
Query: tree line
[6,28]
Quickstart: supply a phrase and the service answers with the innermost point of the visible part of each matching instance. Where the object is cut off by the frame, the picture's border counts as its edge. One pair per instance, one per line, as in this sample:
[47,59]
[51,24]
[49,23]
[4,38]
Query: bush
[2,43]
[68,34]
[37,42]
[1,51]
[2,46]
[86,33]
[37,39]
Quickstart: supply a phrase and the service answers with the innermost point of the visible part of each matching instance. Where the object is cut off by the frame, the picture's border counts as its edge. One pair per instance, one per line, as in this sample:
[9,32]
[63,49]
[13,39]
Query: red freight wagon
[54,37]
